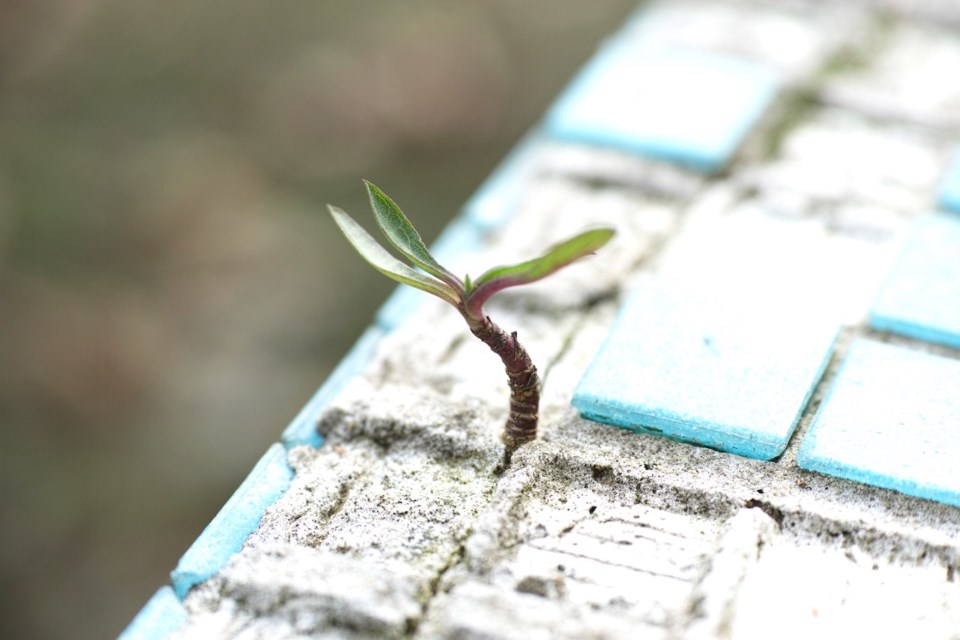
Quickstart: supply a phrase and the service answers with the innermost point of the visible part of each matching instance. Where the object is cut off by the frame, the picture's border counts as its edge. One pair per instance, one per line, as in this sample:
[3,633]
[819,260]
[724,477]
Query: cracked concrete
[403,525]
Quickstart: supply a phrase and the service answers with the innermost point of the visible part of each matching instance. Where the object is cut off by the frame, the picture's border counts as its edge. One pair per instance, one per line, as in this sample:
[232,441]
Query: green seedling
[468,296]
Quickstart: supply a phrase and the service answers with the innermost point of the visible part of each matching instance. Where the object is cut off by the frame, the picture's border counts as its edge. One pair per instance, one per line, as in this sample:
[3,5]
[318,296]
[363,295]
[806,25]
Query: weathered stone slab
[291,591]
[835,157]
[834,590]
[791,38]
[908,76]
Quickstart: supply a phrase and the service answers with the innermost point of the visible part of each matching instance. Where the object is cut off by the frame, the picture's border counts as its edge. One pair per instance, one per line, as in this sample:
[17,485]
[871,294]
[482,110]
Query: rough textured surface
[905,78]
[786,36]
[404,523]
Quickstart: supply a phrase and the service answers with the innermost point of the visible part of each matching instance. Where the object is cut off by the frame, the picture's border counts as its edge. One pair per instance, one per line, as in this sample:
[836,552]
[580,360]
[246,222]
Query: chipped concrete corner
[403,524]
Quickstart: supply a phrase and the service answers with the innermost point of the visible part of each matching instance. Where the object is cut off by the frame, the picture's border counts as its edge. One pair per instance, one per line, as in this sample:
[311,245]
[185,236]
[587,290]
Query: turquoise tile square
[891,419]
[708,367]
[950,186]
[921,296]
[682,105]
[238,518]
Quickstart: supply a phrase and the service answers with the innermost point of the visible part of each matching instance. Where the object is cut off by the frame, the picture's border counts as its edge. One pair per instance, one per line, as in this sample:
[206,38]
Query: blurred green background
[171,289]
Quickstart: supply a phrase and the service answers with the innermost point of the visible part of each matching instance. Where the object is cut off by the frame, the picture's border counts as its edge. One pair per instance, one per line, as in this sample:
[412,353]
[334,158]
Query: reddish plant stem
[521,426]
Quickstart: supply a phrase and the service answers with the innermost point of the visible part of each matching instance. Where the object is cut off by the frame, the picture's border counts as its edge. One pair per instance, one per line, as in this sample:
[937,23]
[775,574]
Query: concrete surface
[404,525]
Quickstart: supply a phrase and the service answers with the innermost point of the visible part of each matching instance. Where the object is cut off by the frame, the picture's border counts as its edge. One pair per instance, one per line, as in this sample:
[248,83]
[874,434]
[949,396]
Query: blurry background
[171,289]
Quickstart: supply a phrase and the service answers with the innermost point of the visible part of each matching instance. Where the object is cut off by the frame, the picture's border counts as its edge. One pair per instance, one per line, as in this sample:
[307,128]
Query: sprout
[468,296]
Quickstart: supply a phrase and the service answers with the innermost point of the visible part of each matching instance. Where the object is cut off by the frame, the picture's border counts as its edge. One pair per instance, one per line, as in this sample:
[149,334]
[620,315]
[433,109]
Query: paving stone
[606,547]
[368,524]
[714,601]
[681,105]
[708,368]
[303,429]
[225,534]
[591,560]
[424,477]
[905,79]
[291,591]
[891,420]
[921,296]
[476,611]
[837,592]
[842,158]
[160,617]
[950,186]
[789,37]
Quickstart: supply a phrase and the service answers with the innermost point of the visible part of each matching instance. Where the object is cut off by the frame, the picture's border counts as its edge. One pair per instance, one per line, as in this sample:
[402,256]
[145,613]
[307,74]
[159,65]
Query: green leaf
[402,234]
[556,257]
[385,263]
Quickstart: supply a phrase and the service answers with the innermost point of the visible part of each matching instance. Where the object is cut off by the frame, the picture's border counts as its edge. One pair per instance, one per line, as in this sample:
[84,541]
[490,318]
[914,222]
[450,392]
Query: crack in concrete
[609,563]
[433,588]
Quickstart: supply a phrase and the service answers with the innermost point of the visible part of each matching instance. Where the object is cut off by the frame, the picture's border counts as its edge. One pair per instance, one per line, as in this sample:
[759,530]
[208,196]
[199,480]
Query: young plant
[468,296]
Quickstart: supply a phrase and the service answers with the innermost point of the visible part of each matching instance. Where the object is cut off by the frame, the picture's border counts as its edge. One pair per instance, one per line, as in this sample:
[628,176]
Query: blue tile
[708,368]
[459,237]
[238,518]
[891,419]
[675,104]
[950,186]
[303,429]
[921,296]
[495,202]
[160,617]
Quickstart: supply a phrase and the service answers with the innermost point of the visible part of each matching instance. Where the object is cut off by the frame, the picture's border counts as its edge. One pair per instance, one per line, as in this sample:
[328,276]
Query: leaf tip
[372,189]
